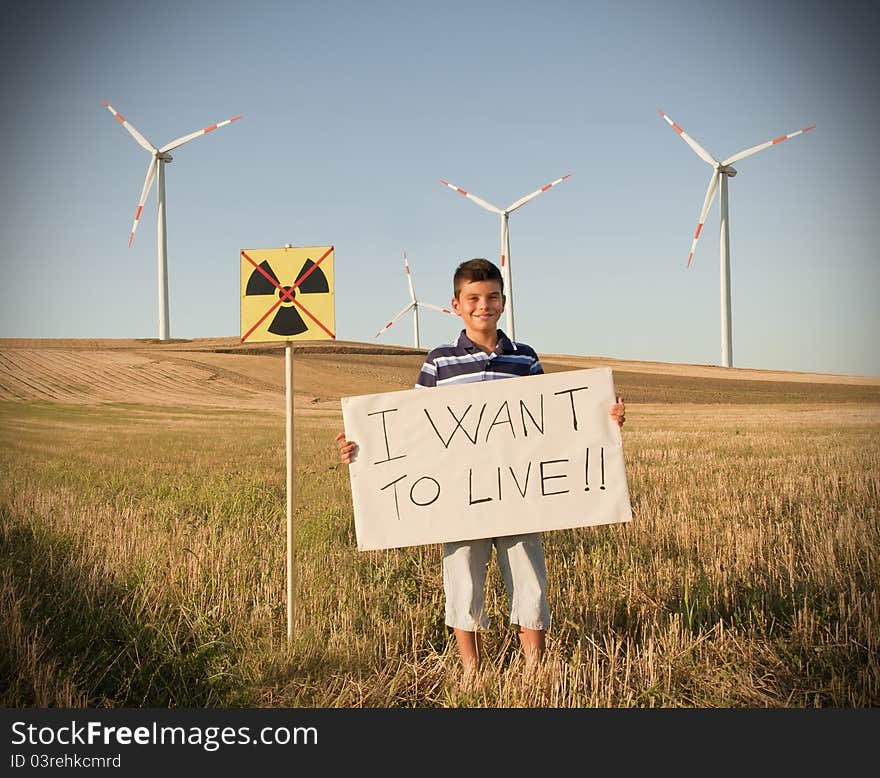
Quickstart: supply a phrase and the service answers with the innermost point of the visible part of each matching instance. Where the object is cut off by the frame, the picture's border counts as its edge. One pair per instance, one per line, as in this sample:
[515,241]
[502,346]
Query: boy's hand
[347,448]
[617,412]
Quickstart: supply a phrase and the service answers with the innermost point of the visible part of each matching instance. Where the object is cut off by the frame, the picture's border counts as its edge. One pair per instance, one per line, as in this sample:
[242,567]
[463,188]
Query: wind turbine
[720,173]
[160,157]
[505,240]
[413,306]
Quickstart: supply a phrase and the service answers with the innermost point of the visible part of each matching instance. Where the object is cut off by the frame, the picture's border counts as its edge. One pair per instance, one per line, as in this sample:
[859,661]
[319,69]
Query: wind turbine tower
[156,169]
[721,171]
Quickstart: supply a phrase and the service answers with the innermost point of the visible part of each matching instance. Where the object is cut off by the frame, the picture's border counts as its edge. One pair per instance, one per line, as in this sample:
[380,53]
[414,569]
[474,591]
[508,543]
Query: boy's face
[480,304]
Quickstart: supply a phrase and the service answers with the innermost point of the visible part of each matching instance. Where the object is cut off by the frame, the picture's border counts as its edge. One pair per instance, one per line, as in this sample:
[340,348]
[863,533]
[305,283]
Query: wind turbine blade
[762,146]
[710,196]
[412,294]
[700,151]
[151,171]
[134,133]
[477,200]
[186,138]
[528,197]
[405,310]
[437,308]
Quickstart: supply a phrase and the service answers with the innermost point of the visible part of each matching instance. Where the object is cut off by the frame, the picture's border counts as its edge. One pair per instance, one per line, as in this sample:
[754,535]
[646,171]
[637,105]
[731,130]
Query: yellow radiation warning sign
[287,294]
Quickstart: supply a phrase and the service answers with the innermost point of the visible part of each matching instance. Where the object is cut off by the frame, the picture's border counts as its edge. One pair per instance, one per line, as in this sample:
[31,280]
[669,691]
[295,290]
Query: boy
[485,353]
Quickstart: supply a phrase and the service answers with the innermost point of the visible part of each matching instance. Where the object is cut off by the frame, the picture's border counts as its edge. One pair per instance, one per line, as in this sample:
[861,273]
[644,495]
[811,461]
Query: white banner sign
[486,459]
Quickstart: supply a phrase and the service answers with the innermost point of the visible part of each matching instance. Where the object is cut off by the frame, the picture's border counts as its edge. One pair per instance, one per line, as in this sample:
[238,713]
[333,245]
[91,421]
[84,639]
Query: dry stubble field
[142,542]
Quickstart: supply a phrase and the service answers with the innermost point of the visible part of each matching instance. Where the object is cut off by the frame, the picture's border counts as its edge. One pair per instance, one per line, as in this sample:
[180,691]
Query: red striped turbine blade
[479,201]
[698,149]
[412,294]
[204,131]
[761,146]
[142,141]
[707,202]
[438,308]
[151,172]
[524,200]
[387,326]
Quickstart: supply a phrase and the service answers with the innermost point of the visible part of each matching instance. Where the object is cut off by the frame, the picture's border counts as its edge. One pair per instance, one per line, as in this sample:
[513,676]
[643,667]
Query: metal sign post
[287,295]
[291,605]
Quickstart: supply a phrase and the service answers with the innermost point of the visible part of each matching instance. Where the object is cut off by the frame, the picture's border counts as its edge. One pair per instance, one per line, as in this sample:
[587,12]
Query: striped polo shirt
[464,362]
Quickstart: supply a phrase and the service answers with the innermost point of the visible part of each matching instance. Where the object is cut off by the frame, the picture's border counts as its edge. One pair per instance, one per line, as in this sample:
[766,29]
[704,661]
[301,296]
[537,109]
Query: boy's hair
[476,270]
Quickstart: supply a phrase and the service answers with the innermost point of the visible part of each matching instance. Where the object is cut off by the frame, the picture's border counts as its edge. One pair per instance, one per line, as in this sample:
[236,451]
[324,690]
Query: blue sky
[354,111]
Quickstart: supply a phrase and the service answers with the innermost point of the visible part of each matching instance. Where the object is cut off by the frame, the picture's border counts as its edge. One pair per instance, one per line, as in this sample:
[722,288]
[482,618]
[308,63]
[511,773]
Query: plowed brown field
[222,373]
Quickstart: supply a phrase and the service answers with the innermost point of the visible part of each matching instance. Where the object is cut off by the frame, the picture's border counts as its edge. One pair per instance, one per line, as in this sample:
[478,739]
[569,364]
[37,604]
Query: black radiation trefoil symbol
[287,320]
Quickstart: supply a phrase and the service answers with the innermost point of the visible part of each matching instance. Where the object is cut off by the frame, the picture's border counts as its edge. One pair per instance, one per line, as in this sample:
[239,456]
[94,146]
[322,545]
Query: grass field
[142,551]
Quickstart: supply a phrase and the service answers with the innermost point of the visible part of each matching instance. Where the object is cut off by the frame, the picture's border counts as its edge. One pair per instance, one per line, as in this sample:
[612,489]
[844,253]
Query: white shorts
[521,562]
